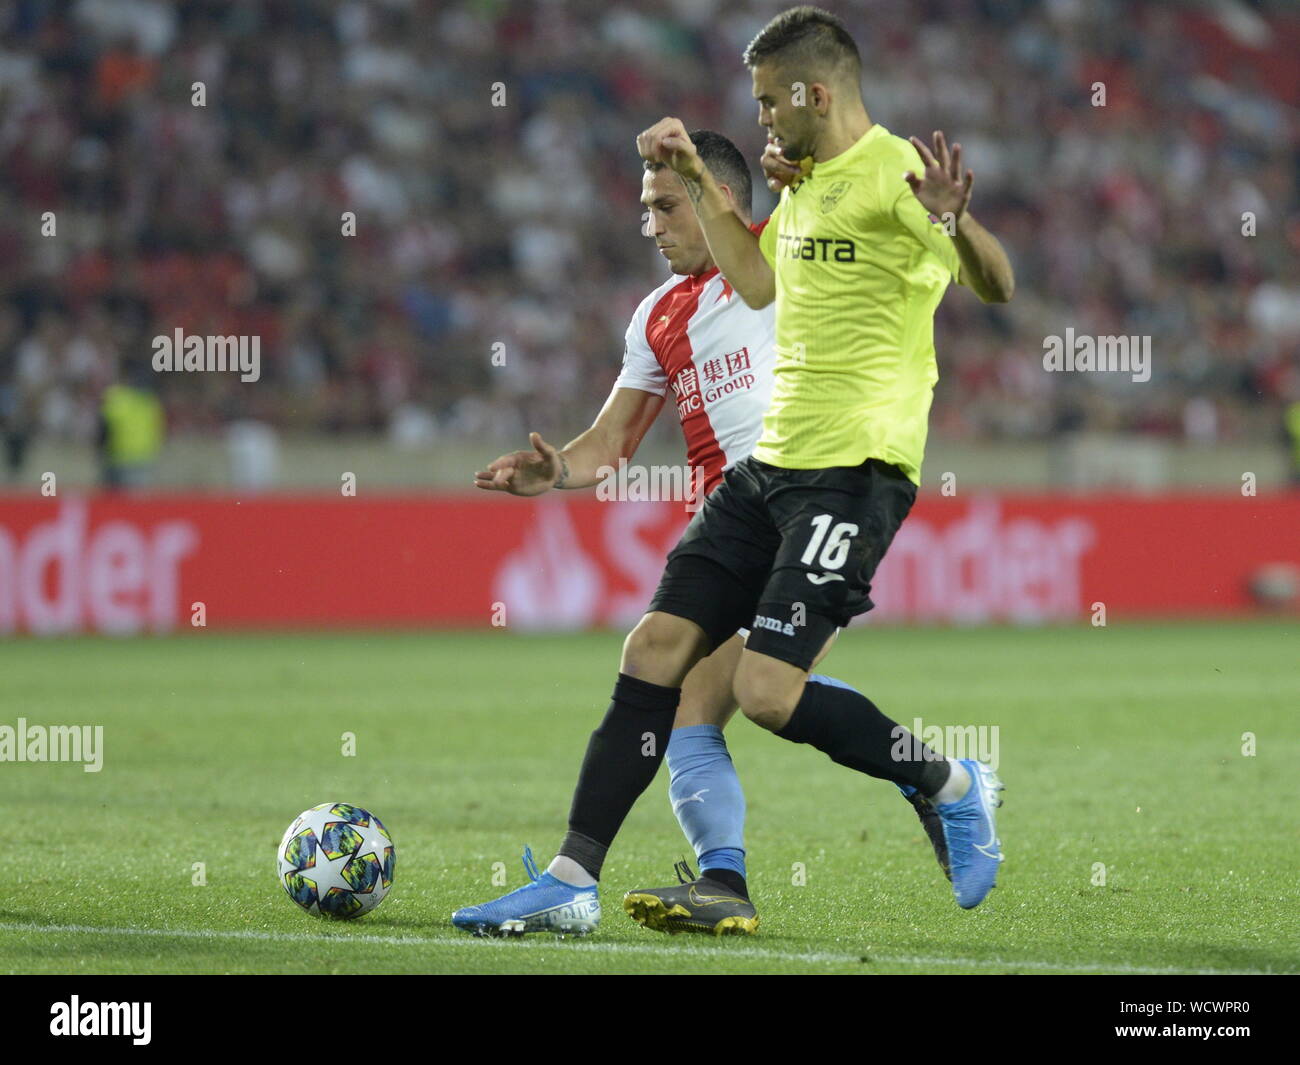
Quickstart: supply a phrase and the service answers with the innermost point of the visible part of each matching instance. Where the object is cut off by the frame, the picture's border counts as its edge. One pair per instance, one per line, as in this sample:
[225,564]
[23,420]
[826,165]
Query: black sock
[848,727]
[622,758]
[727,878]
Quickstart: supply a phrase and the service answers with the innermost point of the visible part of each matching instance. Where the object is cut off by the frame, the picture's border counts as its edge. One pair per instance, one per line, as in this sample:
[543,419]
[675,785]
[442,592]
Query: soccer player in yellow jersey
[868,232]
[787,543]
[693,317]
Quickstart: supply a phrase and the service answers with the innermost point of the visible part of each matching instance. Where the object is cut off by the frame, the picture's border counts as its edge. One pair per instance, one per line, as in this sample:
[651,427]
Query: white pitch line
[474,943]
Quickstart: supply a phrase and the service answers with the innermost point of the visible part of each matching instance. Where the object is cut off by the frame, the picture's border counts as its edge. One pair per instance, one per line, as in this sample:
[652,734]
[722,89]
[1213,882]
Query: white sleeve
[641,369]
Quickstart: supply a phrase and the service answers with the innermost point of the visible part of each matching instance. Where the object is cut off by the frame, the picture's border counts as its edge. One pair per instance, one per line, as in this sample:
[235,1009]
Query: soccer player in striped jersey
[856,256]
[692,339]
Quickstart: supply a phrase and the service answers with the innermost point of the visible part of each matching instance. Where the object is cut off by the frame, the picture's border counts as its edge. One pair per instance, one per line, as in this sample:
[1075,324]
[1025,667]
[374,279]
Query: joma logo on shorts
[783,627]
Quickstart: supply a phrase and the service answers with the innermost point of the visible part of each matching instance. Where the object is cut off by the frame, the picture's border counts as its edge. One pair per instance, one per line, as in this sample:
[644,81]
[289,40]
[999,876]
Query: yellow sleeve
[913,216]
[767,238]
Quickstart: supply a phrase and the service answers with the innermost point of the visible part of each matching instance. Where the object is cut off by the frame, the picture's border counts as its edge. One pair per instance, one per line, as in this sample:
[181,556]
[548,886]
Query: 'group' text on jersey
[860,268]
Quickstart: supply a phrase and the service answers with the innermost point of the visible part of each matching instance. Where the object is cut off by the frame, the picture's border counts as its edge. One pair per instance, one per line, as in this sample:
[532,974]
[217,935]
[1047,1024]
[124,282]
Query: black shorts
[789,553]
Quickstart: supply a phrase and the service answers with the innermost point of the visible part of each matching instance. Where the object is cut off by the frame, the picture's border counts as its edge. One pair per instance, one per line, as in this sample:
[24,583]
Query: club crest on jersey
[832,196]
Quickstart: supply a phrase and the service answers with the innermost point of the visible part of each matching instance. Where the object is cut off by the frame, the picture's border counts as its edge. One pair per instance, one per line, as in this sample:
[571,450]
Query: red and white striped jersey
[695,336]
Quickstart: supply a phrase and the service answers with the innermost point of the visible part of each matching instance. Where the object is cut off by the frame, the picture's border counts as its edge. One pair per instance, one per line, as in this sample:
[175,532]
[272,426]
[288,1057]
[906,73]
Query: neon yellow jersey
[860,268]
[136,425]
[1293,427]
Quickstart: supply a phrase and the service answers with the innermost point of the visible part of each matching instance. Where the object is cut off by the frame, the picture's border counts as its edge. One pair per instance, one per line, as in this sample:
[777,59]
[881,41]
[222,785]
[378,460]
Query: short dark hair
[725,163]
[807,37]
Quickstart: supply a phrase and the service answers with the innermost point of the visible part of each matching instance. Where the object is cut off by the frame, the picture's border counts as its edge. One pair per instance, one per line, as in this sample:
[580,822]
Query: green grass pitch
[1121,746]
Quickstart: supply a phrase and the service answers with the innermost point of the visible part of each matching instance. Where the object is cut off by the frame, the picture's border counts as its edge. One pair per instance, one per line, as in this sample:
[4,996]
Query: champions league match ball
[336,860]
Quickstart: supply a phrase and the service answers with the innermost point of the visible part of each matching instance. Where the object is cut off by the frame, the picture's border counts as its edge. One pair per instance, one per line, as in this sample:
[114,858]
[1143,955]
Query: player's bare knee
[768,689]
[770,712]
[763,703]
[662,648]
[655,636]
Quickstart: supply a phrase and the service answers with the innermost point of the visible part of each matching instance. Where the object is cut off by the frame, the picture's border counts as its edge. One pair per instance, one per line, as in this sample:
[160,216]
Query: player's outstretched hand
[943,187]
[522,473]
[667,142]
[777,169]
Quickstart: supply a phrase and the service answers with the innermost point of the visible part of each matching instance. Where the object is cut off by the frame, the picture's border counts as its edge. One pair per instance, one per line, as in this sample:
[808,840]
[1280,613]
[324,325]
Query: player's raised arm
[616,433]
[943,188]
[733,246]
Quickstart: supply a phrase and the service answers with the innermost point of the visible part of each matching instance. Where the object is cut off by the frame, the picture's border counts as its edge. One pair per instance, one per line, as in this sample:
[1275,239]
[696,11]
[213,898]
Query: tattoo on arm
[564,471]
[694,189]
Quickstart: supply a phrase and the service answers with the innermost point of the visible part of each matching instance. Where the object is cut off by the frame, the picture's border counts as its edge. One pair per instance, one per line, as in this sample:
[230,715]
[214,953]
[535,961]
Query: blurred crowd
[428,210]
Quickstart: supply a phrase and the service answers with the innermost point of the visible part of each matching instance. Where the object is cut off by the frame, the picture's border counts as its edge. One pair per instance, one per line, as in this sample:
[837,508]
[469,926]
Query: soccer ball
[336,860]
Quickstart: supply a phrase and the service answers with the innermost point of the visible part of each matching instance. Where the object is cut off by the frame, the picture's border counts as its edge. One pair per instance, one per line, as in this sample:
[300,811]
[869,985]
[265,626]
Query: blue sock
[706,796]
[820,678]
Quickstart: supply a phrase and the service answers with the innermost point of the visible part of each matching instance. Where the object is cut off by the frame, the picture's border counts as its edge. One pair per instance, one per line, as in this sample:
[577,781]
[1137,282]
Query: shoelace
[530,866]
[684,874]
